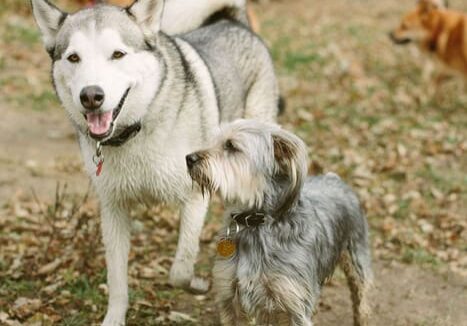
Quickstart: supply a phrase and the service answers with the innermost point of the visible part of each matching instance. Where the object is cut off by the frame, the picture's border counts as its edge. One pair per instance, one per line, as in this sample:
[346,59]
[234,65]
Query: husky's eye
[73,58]
[118,55]
[229,146]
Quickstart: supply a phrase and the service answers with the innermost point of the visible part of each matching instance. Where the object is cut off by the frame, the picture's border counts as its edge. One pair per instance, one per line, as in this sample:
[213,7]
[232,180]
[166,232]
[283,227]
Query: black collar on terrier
[249,219]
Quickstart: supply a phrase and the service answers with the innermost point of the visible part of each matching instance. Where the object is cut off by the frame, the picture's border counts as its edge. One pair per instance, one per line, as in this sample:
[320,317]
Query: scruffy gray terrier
[284,232]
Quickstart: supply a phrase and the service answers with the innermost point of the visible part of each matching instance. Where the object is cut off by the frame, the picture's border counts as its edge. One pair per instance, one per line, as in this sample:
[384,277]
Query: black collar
[249,219]
[128,133]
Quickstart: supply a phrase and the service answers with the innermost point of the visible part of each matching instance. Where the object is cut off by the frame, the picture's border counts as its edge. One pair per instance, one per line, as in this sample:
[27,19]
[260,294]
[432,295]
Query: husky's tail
[181,16]
[233,10]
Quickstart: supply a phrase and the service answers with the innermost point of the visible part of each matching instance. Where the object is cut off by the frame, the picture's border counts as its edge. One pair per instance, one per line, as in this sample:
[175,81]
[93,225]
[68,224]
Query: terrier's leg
[226,291]
[359,279]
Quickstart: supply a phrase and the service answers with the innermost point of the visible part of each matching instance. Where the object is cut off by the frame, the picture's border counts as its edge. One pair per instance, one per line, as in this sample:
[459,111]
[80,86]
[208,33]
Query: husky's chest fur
[140,171]
[149,167]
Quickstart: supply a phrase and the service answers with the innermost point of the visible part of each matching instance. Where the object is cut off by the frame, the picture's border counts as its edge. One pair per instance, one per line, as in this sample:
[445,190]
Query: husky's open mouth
[100,124]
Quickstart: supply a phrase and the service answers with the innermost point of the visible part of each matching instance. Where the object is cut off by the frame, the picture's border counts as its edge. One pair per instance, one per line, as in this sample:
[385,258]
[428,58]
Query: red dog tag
[99,168]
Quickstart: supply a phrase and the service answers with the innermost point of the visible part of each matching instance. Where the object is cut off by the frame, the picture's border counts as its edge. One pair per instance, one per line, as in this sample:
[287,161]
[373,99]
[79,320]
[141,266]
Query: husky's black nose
[192,159]
[92,97]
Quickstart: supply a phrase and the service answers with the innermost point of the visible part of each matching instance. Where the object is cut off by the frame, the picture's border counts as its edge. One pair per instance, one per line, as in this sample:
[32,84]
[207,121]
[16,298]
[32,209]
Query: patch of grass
[83,288]
[167,294]
[24,34]
[290,58]
[294,60]
[76,319]
[17,6]
[44,100]
[403,210]
[361,33]
[279,47]
[38,102]
[442,179]
[420,257]
[12,288]
[135,294]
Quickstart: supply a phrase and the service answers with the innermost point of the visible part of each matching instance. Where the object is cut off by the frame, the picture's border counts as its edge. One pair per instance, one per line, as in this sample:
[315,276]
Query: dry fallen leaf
[24,307]
[50,267]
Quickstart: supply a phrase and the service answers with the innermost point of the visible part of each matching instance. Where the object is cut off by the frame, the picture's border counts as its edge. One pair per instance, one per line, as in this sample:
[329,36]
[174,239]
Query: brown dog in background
[436,30]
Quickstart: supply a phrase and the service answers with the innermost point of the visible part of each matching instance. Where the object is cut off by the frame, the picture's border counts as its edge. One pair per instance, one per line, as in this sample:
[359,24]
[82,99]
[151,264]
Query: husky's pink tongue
[99,123]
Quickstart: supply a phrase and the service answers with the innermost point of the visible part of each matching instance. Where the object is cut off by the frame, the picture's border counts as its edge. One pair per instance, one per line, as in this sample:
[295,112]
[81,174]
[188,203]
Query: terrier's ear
[49,19]
[148,15]
[291,166]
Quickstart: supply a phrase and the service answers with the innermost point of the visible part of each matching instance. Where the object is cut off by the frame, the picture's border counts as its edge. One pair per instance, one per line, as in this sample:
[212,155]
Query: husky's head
[105,68]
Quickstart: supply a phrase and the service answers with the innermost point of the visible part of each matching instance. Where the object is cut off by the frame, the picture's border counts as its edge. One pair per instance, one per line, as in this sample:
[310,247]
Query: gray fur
[223,47]
[279,267]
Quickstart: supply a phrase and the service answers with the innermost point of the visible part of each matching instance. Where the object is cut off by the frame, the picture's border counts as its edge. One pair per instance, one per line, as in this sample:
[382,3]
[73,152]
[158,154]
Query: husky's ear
[148,14]
[49,19]
[291,160]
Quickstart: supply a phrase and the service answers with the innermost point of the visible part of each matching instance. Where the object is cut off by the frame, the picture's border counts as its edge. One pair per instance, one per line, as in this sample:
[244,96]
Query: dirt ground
[403,295]
[365,111]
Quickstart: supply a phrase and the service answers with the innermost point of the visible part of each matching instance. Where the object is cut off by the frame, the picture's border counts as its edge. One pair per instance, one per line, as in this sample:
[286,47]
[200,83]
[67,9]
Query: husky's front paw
[182,276]
[199,285]
[114,317]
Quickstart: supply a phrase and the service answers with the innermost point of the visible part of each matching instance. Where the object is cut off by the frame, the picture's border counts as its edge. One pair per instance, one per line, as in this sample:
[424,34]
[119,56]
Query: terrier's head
[252,164]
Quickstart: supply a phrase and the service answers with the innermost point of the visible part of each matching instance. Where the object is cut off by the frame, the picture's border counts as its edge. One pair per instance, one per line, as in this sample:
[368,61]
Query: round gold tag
[225,247]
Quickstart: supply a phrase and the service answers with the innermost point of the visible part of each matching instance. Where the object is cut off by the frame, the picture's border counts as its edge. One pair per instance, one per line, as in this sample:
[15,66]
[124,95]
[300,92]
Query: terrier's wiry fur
[311,225]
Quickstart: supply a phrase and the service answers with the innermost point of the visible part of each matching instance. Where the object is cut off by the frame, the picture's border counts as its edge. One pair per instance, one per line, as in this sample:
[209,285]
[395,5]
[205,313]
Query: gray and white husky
[143,100]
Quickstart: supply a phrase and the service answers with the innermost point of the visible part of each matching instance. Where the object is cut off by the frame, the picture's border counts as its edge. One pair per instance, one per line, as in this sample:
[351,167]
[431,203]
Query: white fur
[181,16]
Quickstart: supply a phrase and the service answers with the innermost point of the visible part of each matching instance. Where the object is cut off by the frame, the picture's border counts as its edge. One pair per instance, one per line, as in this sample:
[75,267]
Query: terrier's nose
[192,159]
[92,97]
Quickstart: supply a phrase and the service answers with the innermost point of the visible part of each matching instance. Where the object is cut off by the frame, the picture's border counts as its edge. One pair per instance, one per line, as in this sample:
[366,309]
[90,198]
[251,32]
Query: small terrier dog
[284,233]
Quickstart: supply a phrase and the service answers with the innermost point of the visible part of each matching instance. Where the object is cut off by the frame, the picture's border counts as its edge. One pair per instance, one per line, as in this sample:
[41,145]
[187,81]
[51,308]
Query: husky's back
[237,58]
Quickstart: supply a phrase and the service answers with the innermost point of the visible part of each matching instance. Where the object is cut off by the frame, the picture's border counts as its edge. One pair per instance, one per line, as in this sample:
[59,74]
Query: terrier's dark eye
[73,58]
[229,146]
[118,55]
